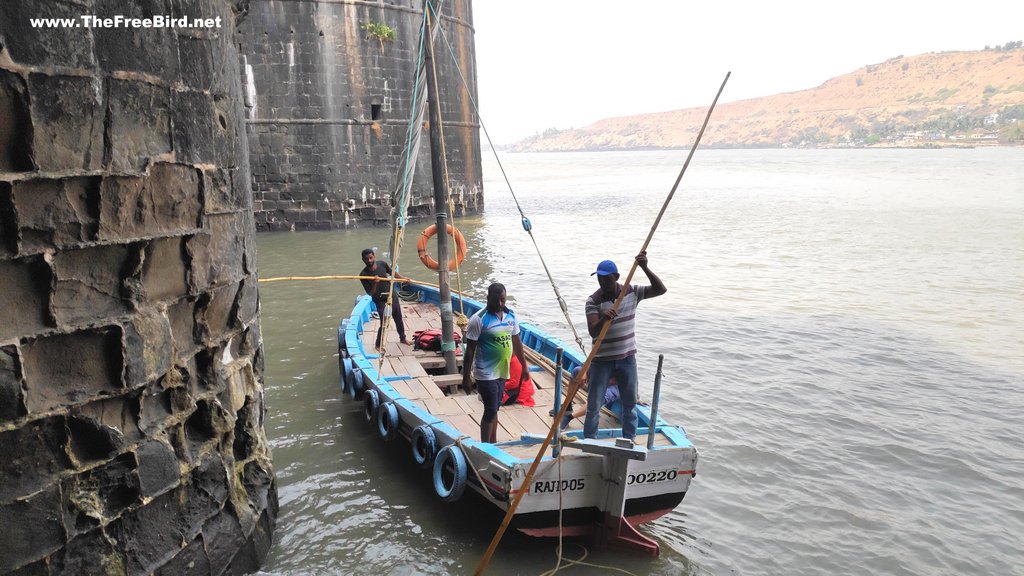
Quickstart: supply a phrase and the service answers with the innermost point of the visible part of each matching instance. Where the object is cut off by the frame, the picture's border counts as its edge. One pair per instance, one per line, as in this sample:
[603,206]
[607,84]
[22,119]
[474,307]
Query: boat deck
[426,384]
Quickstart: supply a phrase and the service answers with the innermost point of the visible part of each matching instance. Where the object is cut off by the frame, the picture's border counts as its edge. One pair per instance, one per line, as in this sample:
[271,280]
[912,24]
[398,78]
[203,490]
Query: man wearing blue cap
[618,349]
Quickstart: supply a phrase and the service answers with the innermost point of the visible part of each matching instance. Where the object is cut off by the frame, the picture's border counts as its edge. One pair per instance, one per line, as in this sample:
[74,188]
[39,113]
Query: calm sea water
[843,340]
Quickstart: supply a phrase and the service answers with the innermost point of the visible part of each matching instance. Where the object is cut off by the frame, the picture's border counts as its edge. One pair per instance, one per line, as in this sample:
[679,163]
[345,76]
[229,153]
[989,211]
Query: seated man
[611,394]
[514,393]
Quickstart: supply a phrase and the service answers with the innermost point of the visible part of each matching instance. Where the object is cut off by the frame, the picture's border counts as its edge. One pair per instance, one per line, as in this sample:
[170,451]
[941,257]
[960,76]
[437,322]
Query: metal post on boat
[652,426]
[556,445]
[440,202]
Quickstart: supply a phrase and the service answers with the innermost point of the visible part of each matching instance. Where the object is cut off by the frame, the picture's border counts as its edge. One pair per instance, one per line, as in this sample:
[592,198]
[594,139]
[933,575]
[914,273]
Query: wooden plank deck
[418,377]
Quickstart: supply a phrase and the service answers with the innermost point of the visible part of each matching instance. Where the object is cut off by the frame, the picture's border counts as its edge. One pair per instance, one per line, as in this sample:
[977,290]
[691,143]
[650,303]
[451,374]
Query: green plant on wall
[381,31]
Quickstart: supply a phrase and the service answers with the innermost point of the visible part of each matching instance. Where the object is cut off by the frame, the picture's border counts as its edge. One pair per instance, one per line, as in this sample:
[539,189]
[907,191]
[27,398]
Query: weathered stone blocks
[204,425]
[244,443]
[71,47]
[192,560]
[139,126]
[88,283]
[195,64]
[158,468]
[156,408]
[57,213]
[258,546]
[218,254]
[12,402]
[145,50]
[120,413]
[89,553]
[67,122]
[15,123]
[167,200]
[129,328]
[225,191]
[24,284]
[209,375]
[214,317]
[227,132]
[65,369]
[250,345]
[8,223]
[316,153]
[101,493]
[164,270]
[152,534]
[31,457]
[31,526]
[240,388]
[258,482]
[211,479]
[193,119]
[224,538]
[147,347]
[91,440]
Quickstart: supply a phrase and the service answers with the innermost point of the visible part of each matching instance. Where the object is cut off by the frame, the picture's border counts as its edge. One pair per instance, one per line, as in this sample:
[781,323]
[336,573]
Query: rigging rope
[527,226]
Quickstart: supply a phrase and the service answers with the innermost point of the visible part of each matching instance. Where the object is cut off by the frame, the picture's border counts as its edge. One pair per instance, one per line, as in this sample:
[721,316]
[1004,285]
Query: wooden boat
[595,487]
[603,486]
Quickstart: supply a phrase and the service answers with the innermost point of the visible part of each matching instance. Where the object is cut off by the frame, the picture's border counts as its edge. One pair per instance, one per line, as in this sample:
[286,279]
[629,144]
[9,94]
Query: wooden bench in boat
[448,382]
[434,361]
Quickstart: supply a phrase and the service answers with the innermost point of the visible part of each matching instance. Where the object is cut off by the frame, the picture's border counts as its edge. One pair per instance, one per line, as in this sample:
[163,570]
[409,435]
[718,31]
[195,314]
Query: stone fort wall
[131,386]
[327,110]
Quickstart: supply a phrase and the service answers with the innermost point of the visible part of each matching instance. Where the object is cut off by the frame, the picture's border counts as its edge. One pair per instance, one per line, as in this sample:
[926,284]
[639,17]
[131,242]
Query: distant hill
[938,99]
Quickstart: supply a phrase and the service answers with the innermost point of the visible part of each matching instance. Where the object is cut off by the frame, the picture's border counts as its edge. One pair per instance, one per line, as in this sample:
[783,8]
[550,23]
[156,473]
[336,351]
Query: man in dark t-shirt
[378,289]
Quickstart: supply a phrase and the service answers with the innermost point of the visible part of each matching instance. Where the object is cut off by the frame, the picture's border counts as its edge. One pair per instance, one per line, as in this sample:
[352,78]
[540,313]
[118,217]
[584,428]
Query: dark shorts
[491,392]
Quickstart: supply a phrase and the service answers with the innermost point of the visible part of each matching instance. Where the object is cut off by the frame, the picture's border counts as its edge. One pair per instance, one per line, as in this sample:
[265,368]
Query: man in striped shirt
[618,349]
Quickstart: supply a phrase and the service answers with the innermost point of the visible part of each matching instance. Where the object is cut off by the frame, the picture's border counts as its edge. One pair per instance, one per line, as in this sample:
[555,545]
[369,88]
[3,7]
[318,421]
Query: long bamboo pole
[574,386]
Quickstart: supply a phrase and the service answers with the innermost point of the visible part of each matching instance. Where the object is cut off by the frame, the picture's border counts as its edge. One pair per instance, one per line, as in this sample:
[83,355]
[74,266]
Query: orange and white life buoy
[428,260]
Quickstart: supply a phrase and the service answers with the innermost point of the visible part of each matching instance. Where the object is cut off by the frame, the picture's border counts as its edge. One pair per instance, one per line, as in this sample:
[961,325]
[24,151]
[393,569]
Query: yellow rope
[579,562]
[340,277]
[333,277]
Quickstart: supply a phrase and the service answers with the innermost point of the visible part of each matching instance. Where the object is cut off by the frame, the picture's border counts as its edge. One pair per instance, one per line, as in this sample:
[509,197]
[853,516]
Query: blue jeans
[600,371]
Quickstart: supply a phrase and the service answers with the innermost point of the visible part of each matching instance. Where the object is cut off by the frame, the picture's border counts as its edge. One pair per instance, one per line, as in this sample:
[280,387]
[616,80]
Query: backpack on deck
[431,340]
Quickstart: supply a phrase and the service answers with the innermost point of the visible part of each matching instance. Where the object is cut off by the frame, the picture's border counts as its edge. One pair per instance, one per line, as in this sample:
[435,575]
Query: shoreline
[916,145]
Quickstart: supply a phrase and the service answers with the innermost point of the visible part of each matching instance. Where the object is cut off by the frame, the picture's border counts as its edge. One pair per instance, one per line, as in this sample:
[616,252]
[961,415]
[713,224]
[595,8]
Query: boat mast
[440,203]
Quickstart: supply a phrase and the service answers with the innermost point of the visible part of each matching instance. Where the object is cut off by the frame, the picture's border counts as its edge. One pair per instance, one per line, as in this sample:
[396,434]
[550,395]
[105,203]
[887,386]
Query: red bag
[431,340]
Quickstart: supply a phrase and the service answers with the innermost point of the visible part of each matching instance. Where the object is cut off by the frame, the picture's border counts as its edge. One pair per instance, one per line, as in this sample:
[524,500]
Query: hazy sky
[568,63]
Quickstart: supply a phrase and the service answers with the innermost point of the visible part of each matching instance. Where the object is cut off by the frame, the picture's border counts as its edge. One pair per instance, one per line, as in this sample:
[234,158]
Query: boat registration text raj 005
[545,486]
